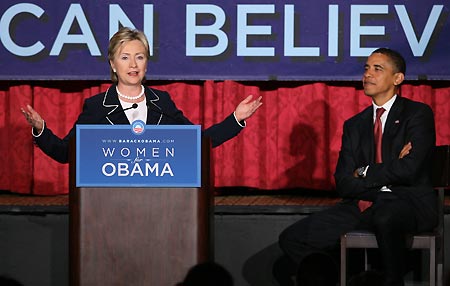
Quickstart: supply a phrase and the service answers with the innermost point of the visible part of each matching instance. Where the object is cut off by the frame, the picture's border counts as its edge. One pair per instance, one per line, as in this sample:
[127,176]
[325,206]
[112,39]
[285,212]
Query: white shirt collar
[387,106]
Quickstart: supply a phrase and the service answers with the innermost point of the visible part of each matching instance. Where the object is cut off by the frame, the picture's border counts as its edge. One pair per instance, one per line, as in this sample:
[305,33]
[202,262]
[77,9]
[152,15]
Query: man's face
[380,80]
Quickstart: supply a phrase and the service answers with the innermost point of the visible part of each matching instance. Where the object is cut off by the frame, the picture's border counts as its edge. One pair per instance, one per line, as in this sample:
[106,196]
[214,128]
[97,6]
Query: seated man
[383,175]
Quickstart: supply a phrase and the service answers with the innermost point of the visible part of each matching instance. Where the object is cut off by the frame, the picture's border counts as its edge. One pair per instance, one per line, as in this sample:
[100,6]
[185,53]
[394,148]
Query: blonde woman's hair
[125,34]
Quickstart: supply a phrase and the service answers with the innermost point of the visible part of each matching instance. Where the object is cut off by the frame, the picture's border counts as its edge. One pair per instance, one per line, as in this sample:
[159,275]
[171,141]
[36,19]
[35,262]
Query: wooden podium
[139,236]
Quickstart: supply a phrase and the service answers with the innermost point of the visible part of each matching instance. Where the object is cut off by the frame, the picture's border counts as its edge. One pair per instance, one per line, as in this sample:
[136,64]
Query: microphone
[134,106]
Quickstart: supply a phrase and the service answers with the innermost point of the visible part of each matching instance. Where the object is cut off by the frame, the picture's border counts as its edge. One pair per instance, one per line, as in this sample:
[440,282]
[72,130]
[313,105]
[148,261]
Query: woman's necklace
[131,97]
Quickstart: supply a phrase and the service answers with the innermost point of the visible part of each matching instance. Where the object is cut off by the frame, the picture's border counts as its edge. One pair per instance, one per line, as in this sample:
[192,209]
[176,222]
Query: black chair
[433,242]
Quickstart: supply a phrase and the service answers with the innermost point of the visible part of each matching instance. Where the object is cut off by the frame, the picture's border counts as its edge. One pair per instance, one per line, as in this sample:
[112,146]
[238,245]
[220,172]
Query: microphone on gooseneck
[134,106]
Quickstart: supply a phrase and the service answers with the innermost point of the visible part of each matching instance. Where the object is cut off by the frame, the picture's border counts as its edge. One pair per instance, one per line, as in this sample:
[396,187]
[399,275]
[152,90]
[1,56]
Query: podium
[139,235]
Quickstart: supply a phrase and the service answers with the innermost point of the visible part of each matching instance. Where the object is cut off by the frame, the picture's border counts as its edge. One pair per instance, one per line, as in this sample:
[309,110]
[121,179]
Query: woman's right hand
[33,118]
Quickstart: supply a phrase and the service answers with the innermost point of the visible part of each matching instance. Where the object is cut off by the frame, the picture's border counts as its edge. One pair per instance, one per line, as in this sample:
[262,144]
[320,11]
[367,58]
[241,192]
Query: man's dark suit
[105,108]
[408,178]
[409,208]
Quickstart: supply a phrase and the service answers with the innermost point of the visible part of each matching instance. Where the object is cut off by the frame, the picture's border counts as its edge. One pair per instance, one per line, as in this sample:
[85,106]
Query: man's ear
[399,77]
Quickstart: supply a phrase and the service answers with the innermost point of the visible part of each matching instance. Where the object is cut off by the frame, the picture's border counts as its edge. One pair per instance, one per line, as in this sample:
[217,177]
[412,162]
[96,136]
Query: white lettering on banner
[74,14]
[140,152]
[418,46]
[123,170]
[243,30]
[418,41]
[118,17]
[333,30]
[192,30]
[108,152]
[125,152]
[170,152]
[5,23]
[289,36]
[356,30]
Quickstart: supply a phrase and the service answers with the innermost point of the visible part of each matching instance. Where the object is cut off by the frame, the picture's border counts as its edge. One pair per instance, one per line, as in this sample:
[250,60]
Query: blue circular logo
[138,127]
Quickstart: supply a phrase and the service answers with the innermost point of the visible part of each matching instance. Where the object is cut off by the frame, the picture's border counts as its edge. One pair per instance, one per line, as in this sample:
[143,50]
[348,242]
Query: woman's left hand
[247,107]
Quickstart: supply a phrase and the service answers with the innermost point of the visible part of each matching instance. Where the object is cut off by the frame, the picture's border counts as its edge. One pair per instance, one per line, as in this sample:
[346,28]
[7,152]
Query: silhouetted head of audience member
[207,274]
[7,281]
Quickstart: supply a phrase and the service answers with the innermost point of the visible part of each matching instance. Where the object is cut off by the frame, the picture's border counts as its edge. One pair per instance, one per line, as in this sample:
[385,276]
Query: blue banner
[138,155]
[236,40]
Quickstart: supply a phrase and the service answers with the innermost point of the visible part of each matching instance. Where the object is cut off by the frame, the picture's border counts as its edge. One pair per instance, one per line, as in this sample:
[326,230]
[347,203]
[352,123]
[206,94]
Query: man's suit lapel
[367,138]
[393,122]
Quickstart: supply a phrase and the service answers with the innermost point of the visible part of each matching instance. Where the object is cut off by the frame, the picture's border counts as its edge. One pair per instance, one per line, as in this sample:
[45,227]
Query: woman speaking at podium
[127,100]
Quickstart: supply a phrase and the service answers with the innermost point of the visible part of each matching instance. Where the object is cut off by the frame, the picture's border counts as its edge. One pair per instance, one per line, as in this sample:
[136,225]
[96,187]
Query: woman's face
[130,63]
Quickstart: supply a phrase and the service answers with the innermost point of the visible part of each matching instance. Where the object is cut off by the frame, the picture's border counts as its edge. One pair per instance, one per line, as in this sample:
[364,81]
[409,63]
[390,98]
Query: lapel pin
[397,121]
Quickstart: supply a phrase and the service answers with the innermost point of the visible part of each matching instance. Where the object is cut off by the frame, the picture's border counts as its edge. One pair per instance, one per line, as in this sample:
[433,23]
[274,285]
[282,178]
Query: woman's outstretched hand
[247,107]
[33,118]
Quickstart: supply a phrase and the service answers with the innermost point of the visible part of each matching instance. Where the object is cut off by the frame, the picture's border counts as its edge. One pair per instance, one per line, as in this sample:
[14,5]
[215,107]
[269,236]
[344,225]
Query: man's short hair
[396,58]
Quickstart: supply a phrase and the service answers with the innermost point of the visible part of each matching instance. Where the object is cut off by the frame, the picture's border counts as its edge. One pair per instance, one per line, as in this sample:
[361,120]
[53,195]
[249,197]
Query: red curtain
[291,142]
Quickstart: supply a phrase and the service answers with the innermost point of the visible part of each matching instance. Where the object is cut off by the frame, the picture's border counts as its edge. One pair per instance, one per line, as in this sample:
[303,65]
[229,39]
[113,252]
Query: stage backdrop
[218,40]
[291,142]
[303,57]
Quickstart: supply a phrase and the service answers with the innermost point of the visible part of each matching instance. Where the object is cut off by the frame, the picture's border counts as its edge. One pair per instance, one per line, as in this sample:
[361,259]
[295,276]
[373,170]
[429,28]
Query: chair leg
[366,260]
[433,262]
[343,261]
[440,275]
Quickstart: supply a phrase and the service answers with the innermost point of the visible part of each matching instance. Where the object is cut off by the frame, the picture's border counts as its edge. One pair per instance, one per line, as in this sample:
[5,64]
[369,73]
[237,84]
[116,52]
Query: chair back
[440,179]
[441,167]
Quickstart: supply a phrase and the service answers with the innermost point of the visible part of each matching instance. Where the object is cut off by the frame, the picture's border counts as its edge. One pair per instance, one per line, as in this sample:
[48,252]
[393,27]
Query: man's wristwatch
[361,171]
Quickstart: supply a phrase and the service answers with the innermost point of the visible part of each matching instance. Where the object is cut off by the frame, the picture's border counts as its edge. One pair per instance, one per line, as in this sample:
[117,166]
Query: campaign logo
[138,127]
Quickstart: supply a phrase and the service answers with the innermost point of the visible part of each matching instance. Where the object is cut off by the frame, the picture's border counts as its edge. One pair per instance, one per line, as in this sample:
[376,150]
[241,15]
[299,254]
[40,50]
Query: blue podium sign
[138,155]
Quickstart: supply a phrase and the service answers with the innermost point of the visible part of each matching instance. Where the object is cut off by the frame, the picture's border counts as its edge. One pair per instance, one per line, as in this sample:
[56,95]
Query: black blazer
[105,108]
[408,178]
